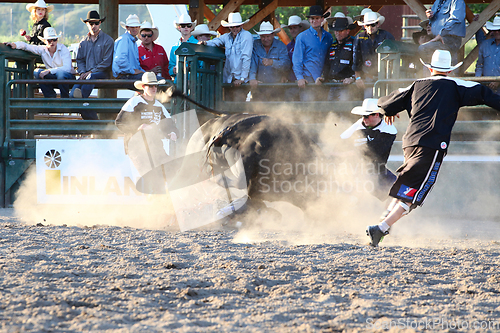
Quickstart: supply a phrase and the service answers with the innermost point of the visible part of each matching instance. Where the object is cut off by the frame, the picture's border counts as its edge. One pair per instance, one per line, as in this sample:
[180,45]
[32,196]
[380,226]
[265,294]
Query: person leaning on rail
[152,56]
[488,61]
[126,65]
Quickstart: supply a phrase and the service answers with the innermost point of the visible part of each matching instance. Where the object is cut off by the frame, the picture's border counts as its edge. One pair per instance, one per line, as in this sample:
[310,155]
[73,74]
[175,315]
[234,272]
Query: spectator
[143,111]
[310,53]
[426,26]
[152,57]
[338,67]
[39,16]
[126,63]
[420,37]
[185,27]
[331,20]
[93,60]
[270,62]
[202,33]
[365,58]
[368,10]
[295,26]
[447,20]
[57,62]
[488,61]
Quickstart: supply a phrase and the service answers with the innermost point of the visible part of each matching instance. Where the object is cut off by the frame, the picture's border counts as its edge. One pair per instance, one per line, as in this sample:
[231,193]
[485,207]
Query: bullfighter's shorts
[417,175]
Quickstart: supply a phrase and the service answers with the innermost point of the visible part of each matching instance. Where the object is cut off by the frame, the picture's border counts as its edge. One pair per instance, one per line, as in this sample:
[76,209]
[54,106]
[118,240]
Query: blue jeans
[86,90]
[48,89]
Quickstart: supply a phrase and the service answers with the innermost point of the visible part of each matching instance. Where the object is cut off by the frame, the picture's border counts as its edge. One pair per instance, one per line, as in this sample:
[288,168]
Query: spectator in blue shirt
[295,26]
[270,62]
[126,63]
[185,27]
[311,48]
[488,61]
[447,20]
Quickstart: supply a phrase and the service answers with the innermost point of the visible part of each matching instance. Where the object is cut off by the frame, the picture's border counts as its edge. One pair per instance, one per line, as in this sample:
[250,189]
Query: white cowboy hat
[149,26]
[495,25]
[368,107]
[370,18]
[131,21]
[337,15]
[441,61]
[202,29]
[39,4]
[266,28]
[148,79]
[184,19]
[233,20]
[49,33]
[368,10]
[292,20]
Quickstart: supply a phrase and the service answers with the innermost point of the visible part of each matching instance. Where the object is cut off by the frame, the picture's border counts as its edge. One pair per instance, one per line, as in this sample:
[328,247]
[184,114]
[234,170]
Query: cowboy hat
[184,19]
[368,107]
[148,79]
[337,15]
[416,35]
[292,20]
[49,33]
[233,20]
[317,10]
[93,15]
[441,61]
[149,26]
[266,28]
[495,25]
[39,4]
[370,18]
[368,10]
[342,23]
[131,21]
[202,29]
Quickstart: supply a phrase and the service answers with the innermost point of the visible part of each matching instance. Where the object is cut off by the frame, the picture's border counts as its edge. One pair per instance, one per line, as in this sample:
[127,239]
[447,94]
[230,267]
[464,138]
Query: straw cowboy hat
[368,10]
[131,21]
[317,10]
[331,20]
[441,61]
[184,19]
[149,26]
[368,107]
[370,18]
[93,15]
[266,28]
[493,26]
[39,4]
[49,33]
[202,29]
[148,79]
[233,20]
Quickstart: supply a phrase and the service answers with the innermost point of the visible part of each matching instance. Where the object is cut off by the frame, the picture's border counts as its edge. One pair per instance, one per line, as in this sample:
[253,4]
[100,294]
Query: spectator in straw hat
[432,104]
[270,62]
[295,26]
[239,45]
[185,27]
[202,33]
[365,58]
[310,53]
[56,59]
[39,16]
[144,111]
[338,67]
[152,57]
[126,64]
[93,60]
[488,61]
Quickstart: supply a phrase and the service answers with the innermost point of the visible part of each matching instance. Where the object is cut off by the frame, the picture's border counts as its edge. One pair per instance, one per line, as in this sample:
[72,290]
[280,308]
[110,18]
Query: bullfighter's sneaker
[376,235]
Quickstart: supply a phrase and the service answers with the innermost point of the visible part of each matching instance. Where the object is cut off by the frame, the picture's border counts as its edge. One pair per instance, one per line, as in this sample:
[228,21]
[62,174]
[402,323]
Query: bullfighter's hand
[390,120]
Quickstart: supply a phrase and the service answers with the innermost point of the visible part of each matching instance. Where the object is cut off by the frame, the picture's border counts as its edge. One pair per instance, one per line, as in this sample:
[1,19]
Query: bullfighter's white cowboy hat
[148,79]
[233,20]
[39,4]
[441,61]
[368,107]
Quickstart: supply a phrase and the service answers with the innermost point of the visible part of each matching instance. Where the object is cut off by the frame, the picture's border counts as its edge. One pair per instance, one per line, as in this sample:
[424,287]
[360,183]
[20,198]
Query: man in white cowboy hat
[432,105]
[447,20]
[202,33]
[310,52]
[185,27]
[295,26]
[57,60]
[338,66]
[371,138]
[144,111]
[488,61]
[126,63]
[238,45]
[93,60]
[39,16]
[270,61]
[152,56]
[365,58]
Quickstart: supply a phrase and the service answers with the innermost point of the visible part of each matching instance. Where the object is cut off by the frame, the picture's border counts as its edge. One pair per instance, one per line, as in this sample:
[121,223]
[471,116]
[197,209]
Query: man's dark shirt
[339,60]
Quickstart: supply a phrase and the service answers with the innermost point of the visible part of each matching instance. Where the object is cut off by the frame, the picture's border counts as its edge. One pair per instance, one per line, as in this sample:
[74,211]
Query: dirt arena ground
[120,279]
